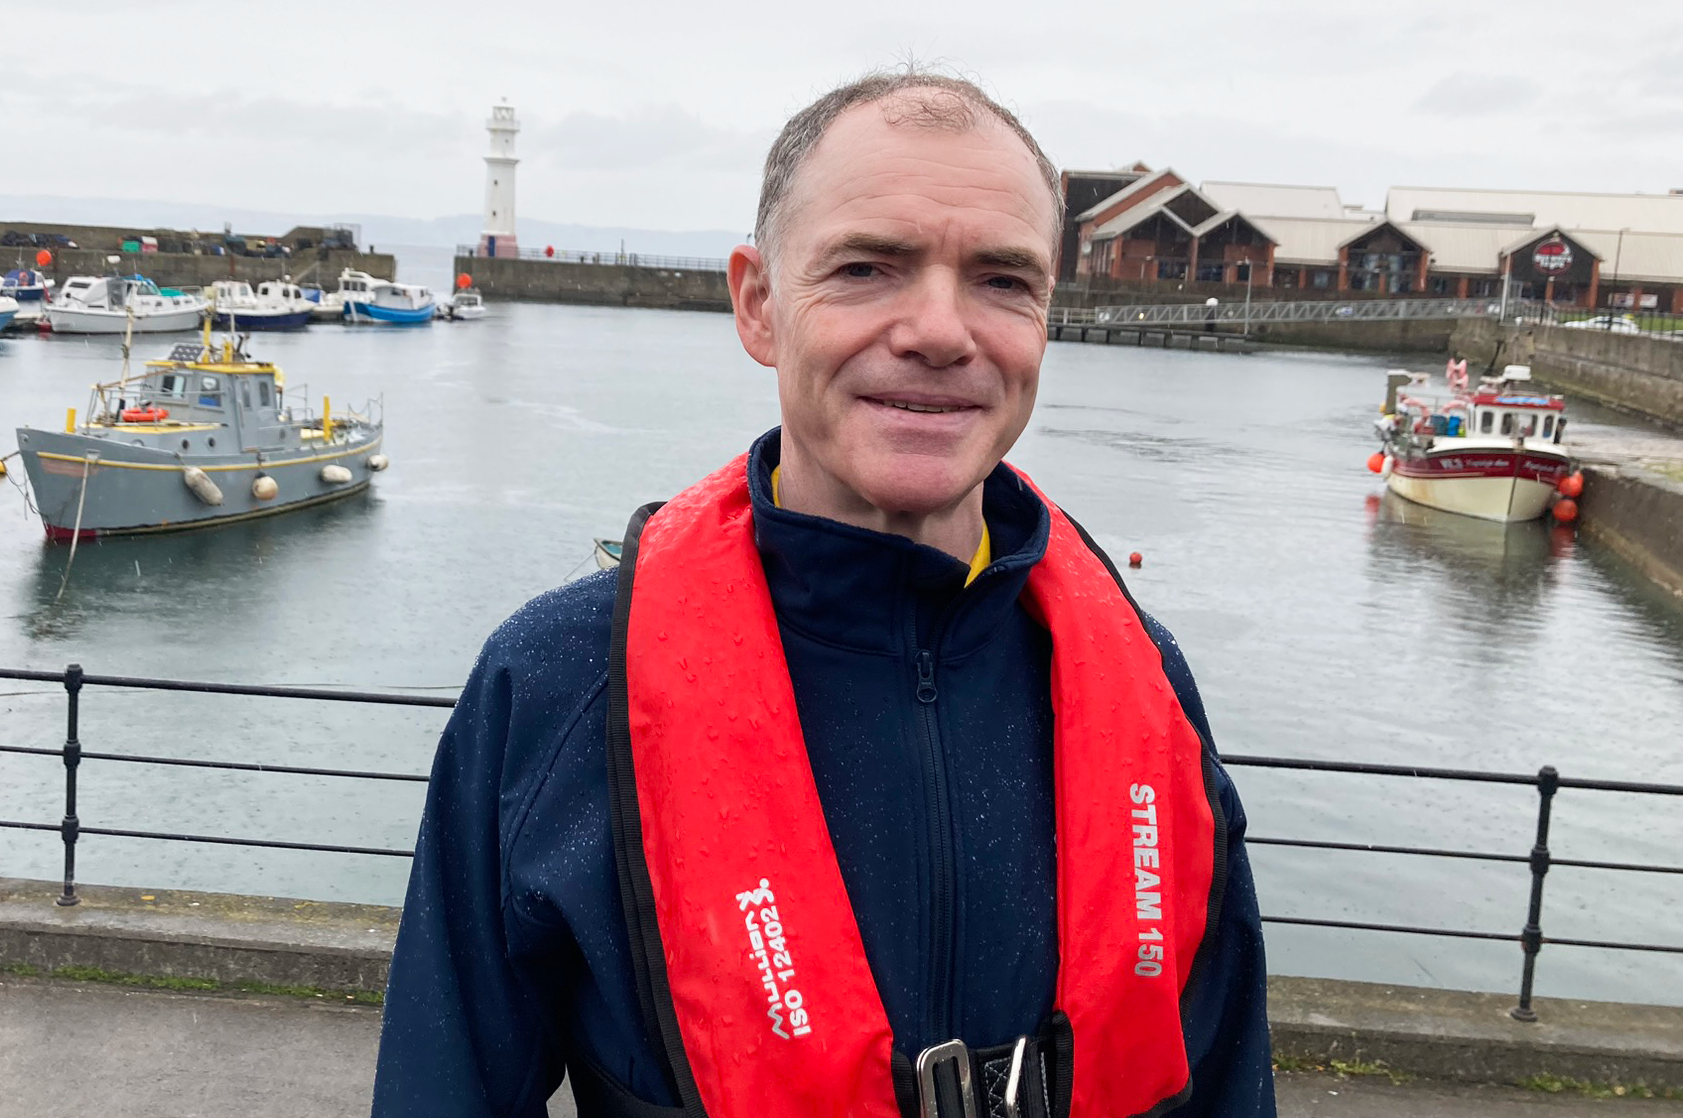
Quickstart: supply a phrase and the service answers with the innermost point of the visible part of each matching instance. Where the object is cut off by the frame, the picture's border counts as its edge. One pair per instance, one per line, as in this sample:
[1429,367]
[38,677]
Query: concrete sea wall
[222,942]
[613,285]
[1638,514]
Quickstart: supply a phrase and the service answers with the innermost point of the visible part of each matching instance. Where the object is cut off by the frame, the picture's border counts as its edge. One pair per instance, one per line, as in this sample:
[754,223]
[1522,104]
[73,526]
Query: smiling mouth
[907,405]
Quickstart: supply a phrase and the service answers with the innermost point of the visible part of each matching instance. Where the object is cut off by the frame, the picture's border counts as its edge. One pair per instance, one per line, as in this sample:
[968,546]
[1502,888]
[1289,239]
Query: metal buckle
[1014,1081]
[928,1060]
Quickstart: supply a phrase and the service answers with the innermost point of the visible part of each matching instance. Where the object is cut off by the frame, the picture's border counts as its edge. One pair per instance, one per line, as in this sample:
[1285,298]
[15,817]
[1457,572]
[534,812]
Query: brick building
[1622,251]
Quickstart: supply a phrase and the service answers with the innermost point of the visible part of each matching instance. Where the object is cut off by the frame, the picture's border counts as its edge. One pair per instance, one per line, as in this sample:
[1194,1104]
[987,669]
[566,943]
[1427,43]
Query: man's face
[907,311]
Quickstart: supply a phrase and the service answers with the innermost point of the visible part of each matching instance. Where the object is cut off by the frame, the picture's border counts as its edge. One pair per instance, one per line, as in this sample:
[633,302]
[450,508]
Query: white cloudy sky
[657,114]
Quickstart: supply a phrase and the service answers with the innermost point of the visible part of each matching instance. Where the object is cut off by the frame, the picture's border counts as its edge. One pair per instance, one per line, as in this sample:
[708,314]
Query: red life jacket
[746,948]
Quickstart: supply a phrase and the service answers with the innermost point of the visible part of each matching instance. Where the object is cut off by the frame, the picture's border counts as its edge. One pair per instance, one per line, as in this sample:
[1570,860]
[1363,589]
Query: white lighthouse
[498,237]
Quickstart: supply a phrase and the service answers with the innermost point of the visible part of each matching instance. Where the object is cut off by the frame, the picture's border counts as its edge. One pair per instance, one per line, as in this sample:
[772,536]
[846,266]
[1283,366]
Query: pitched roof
[1137,187]
[1308,240]
[1276,200]
[1649,213]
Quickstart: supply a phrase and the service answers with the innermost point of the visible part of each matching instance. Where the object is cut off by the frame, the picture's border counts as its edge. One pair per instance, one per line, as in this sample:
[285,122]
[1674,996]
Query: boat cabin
[281,291]
[233,292]
[1506,408]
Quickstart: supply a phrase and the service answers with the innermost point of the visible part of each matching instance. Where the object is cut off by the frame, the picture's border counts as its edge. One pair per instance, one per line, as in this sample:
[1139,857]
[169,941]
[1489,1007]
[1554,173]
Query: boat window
[1486,420]
[263,392]
[1548,426]
[1530,427]
[1507,423]
[245,394]
[210,395]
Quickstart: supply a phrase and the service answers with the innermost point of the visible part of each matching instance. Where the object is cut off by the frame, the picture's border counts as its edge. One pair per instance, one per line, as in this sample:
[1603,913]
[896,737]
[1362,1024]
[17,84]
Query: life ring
[145,415]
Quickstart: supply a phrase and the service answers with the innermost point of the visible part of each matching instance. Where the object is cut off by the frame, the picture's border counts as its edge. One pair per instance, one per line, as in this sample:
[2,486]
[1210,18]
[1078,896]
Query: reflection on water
[1494,577]
[202,577]
[1319,624]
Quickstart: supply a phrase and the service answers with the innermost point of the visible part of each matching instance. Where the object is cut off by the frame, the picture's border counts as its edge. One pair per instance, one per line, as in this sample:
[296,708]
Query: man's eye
[859,270]
[1007,283]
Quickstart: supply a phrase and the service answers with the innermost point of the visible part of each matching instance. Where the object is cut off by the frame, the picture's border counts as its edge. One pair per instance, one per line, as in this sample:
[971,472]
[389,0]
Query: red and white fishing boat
[1492,452]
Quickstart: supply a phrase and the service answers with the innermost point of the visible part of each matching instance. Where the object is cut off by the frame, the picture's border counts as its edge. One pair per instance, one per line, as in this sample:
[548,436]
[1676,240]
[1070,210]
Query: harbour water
[1322,621]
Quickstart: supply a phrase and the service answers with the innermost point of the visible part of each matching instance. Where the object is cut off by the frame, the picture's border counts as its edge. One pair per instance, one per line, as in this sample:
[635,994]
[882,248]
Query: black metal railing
[1547,781]
[622,259]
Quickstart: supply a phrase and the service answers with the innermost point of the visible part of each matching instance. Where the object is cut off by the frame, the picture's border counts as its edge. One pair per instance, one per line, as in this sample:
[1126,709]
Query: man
[864,790]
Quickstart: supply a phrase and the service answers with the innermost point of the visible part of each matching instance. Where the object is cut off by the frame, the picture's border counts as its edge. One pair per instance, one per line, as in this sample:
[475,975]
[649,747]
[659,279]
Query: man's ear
[750,299]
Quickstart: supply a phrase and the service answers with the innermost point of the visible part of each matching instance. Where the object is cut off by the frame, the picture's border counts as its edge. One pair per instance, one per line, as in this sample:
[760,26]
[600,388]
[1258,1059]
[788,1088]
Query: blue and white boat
[8,311]
[275,305]
[367,299]
[26,285]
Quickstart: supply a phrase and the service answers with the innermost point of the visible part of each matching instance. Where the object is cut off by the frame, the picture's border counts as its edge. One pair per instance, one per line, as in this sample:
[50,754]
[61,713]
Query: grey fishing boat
[205,436]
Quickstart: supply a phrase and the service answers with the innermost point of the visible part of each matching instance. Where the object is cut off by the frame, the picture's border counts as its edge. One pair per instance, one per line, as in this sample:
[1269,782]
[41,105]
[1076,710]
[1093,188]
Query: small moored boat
[463,306]
[367,299]
[275,305]
[106,304]
[204,436]
[1493,452]
[8,311]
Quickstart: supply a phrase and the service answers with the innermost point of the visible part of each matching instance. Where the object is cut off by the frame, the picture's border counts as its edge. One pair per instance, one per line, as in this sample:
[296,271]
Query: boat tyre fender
[335,475]
[203,488]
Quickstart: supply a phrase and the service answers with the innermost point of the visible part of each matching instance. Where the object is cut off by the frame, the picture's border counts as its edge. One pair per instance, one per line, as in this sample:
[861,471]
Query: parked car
[1613,324]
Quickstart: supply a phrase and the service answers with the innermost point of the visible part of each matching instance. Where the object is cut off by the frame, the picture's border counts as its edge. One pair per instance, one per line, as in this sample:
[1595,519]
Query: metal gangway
[1200,316]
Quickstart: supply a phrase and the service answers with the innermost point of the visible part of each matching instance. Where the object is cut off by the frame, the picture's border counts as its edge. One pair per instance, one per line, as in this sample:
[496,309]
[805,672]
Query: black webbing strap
[636,890]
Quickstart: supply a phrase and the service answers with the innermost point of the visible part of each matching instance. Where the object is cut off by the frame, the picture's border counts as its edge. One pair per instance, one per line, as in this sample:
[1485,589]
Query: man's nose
[935,326]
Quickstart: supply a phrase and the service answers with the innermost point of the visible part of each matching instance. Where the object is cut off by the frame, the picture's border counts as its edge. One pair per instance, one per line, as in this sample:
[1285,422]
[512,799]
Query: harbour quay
[187,258]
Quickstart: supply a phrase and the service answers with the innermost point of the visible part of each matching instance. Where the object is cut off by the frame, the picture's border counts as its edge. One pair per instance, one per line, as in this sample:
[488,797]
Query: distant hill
[377,229]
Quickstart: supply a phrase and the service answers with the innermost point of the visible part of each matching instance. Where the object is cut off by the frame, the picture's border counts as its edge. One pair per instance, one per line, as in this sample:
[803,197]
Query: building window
[1440,285]
[1320,279]
[1210,273]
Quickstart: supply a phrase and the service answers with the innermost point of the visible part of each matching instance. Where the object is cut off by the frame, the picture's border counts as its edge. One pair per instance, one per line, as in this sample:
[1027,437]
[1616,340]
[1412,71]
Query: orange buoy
[1376,461]
[1135,559]
[1566,510]
[1572,485]
[43,258]
[464,280]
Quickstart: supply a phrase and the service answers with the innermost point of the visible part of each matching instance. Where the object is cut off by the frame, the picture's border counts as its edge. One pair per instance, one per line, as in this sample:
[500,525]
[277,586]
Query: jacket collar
[866,590]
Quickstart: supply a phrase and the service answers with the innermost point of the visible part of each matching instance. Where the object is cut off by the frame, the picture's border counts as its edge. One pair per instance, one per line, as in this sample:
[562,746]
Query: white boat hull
[1504,499]
[79,320]
[1503,482]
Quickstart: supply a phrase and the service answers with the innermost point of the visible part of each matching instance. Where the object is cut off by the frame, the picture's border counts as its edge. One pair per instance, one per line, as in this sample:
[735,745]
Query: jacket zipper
[943,879]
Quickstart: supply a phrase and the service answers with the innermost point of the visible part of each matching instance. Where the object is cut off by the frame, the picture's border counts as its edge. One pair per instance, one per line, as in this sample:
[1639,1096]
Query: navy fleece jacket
[513,958]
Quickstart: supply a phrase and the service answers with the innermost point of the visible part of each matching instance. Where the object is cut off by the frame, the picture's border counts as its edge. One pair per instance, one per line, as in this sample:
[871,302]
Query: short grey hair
[954,105]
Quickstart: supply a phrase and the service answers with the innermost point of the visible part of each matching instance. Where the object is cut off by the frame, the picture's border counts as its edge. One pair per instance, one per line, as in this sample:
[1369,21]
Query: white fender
[1385,467]
[378,462]
[335,475]
[265,488]
[203,488]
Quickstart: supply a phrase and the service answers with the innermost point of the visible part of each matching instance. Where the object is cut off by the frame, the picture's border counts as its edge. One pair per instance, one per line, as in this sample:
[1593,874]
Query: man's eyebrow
[1019,258]
[869,244]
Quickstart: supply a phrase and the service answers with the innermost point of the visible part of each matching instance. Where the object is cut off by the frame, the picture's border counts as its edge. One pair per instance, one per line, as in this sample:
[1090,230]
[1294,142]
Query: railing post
[1531,939]
[71,826]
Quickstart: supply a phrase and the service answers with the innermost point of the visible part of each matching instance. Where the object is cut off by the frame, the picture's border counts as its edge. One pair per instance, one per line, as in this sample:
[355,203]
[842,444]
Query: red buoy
[1376,461]
[1572,485]
[1566,510]
[1135,559]
[464,280]
[43,258]
[549,250]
